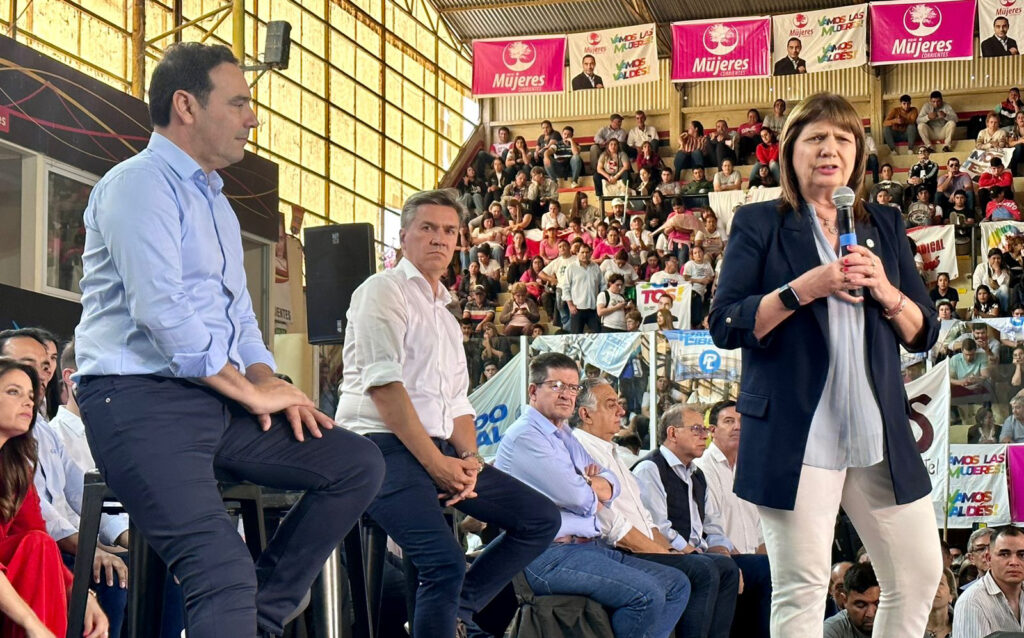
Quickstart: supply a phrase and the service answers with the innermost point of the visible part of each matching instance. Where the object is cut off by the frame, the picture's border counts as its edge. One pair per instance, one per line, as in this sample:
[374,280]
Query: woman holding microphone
[822,398]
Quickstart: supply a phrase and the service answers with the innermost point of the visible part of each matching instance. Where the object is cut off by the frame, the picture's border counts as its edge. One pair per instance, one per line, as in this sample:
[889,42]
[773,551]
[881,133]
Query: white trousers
[902,541]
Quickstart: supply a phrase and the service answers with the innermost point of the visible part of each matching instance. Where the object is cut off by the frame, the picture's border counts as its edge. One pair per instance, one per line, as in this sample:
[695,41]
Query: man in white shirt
[740,520]
[700,275]
[404,388]
[583,281]
[554,274]
[640,134]
[627,524]
[994,602]
[670,276]
[611,306]
[67,423]
[675,492]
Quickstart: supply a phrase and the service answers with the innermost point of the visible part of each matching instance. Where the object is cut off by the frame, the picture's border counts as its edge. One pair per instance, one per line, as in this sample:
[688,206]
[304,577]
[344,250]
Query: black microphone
[843,198]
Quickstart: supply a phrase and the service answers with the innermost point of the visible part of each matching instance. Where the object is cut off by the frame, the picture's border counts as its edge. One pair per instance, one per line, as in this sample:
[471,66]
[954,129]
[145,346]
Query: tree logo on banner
[800,20]
[518,56]
[1007,3]
[594,39]
[927,18]
[710,361]
[720,39]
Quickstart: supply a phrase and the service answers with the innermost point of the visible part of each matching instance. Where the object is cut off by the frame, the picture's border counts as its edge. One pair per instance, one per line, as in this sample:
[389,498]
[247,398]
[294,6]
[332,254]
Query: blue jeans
[162,443]
[715,580]
[684,160]
[408,509]
[646,598]
[572,168]
[909,136]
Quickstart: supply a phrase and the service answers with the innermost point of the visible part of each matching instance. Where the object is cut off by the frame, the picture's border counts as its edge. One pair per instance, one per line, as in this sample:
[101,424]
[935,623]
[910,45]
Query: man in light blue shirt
[1013,426]
[175,385]
[646,598]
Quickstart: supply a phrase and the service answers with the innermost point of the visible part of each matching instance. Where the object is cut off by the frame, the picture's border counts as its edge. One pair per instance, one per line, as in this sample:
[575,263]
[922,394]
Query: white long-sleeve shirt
[740,520]
[400,330]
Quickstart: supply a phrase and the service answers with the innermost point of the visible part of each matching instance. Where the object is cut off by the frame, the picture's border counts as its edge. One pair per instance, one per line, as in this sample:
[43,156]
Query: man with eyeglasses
[645,598]
[996,603]
[950,182]
[675,491]
[977,552]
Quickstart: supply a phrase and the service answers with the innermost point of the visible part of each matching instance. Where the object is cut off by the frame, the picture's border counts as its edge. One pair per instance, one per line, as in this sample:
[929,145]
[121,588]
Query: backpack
[557,615]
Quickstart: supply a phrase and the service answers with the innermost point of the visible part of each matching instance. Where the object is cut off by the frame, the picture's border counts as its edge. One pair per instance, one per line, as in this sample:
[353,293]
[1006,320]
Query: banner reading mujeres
[514,66]
[720,49]
[922,31]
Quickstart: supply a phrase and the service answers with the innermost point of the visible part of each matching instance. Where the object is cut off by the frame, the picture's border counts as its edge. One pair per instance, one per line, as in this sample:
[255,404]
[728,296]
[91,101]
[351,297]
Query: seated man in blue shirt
[1013,426]
[646,598]
[175,384]
[675,492]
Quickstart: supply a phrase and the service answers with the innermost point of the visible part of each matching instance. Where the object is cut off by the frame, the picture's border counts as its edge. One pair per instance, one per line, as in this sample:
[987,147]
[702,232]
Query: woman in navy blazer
[824,410]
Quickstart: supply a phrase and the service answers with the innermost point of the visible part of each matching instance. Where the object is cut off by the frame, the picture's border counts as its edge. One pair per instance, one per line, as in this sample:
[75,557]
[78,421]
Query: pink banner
[922,31]
[514,66]
[720,49]
[1015,470]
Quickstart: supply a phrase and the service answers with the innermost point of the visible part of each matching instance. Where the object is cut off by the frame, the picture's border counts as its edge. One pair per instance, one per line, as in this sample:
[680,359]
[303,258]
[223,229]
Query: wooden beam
[515,4]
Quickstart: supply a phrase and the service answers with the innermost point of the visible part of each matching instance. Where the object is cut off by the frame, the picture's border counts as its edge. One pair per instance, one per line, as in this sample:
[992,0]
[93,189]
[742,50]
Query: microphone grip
[847,238]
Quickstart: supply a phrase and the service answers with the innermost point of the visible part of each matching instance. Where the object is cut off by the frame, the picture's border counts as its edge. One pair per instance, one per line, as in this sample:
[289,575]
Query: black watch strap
[788,297]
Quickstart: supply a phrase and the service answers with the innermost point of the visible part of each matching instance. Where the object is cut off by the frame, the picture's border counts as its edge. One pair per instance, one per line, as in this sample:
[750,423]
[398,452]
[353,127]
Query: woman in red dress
[34,583]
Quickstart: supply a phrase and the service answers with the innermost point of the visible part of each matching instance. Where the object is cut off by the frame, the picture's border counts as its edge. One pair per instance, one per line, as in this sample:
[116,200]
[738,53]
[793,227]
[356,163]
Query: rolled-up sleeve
[614,526]
[378,317]
[146,250]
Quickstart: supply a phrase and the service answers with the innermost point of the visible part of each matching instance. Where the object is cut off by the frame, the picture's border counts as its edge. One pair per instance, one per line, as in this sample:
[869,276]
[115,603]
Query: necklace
[828,225]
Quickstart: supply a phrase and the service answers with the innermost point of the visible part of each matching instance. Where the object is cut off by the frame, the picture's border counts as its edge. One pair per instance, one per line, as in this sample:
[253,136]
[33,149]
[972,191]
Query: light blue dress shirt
[549,459]
[163,290]
[60,483]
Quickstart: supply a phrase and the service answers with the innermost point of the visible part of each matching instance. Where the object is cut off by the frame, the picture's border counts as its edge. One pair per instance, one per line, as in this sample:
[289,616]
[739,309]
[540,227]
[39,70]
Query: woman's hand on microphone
[822,281]
[864,269]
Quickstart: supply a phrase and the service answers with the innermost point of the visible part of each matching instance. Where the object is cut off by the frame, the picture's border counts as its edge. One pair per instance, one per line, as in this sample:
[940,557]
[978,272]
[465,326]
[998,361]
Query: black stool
[146,571]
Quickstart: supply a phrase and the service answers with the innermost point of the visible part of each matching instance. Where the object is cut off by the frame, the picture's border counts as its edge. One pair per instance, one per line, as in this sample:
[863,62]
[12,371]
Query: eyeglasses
[560,386]
[698,430]
[977,549]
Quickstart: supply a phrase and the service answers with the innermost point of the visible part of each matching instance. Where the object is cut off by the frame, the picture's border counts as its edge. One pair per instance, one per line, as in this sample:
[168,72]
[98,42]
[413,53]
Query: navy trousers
[163,443]
[410,512]
[714,583]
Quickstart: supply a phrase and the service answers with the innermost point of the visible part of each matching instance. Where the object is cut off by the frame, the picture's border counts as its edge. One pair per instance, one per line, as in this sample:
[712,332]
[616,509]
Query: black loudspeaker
[278,45]
[338,259]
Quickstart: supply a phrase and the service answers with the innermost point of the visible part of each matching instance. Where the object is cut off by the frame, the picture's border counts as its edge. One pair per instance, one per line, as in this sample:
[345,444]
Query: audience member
[474,278]
[520,312]
[777,118]
[642,132]
[670,275]
[945,310]
[836,586]
[614,131]
[740,520]
[1000,208]
[857,619]
[584,213]
[554,275]
[984,429]
[923,174]
[519,217]
[992,136]
[922,212]
[762,178]
[488,239]
[871,151]
[517,189]
[640,240]
[471,190]
[67,422]
[698,185]
[978,551]
[517,257]
[960,211]
[995,276]
[1017,142]
[628,524]
[587,79]
[1009,108]
[792,64]
[34,583]
[497,152]
[583,281]
[767,152]
[995,175]
[612,244]
[554,218]
[995,602]
[968,372]
[675,492]
[611,305]
[693,149]
[943,290]
[496,183]
[563,159]
[478,309]
[494,348]
[710,237]
[894,188]
[951,181]
[647,161]
[517,160]
[940,620]
[644,598]
[542,191]
[901,125]
[700,275]
[1013,427]
[936,121]
[668,185]
[619,265]
[721,144]
[986,306]
[726,179]
[612,167]
[548,135]
[749,136]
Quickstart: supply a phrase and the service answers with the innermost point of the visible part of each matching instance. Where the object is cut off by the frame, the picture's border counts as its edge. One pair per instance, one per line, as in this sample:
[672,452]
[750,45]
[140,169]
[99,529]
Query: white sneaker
[574,185]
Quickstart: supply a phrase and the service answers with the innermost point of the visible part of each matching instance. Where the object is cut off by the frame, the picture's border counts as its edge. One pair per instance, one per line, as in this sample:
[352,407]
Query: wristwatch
[475,455]
[789,298]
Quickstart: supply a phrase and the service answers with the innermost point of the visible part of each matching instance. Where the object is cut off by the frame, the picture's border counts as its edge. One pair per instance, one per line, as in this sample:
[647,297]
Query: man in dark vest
[674,490]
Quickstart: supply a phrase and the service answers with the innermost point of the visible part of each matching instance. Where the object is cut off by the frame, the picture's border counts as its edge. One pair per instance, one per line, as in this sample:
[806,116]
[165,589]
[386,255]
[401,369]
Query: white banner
[628,55]
[977,486]
[608,352]
[929,419]
[1000,27]
[980,160]
[937,246]
[497,405]
[695,356]
[995,234]
[647,295]
[815,41]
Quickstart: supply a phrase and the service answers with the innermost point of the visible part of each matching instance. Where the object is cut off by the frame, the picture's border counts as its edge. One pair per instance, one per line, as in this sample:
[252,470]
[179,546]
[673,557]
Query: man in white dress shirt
[740,520]
[404,388]
[994,602]
[627,524]
[67,423]
[675,491]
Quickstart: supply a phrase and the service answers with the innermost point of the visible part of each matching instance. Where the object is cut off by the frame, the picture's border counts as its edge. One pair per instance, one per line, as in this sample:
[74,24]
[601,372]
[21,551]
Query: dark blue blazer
[784,373]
